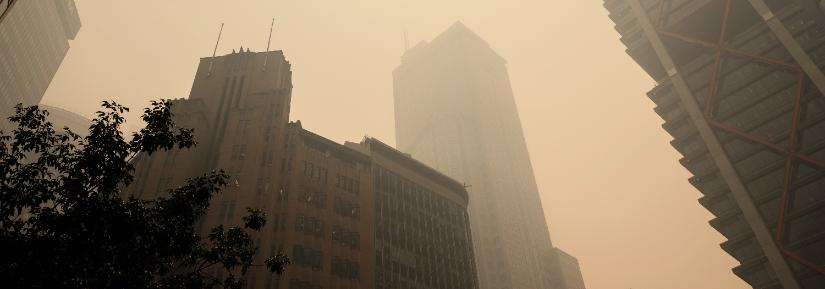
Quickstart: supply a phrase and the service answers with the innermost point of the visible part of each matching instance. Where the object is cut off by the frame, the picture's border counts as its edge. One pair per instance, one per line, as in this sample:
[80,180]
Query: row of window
[311,258]
[238,152]
[301,284]
[348,184]
[307,257]
[310,226]
[347,209]
[345,268]
[410,195]
[317,199]
[346,238]
[315,172]
[413,220]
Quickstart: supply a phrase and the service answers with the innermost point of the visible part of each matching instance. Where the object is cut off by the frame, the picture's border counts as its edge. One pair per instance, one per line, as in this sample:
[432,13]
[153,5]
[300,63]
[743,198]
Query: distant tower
[455,111]
[740,88]
[34,39]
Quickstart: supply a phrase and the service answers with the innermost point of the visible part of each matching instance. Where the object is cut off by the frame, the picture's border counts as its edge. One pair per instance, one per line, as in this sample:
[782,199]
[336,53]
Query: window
[307,257]
[345,268]
[282,195]
[243,126]
[346,208]
[309,226]
[238,152]
[317,199]
[347,184]
[346,238]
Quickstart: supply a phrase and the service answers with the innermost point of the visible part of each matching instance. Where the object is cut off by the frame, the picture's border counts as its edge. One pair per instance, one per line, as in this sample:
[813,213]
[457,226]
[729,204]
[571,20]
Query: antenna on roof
[268,41]
[214,51]
[406,41]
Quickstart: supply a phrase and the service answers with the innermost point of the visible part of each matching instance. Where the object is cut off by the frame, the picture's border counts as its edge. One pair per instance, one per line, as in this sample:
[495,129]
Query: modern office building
[34,39]
[454,110]
[740,88]
[345,214]
[421,224]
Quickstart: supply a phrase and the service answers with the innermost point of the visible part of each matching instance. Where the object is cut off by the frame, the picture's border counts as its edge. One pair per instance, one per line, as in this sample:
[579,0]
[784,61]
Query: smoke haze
[613,192]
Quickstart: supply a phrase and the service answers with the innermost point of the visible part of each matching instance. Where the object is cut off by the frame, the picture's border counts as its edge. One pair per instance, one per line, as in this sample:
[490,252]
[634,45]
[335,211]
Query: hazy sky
[613,192]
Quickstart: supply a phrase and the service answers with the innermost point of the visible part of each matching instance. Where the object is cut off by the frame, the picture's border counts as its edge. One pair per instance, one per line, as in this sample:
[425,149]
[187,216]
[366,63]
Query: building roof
[456,33]
[377,146]
[333,147]
[361,152]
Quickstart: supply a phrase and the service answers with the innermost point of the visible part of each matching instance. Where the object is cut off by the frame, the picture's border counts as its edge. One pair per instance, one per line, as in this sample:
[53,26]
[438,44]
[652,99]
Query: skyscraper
[740,88]
[454,110]
[34,39]
[359,215]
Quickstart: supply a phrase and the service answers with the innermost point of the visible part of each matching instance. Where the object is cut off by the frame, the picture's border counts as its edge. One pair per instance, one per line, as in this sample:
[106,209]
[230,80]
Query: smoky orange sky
[613,192]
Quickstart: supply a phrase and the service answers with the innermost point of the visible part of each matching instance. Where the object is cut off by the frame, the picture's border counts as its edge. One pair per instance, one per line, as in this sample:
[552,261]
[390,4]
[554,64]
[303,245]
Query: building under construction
[740,87]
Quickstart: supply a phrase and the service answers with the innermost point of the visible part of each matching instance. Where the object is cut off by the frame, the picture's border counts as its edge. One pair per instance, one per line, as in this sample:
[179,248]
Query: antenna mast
[406,41]
[214,51]
[268,41]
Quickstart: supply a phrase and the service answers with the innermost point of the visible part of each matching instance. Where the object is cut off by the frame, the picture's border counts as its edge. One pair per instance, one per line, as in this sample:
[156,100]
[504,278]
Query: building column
[784,36]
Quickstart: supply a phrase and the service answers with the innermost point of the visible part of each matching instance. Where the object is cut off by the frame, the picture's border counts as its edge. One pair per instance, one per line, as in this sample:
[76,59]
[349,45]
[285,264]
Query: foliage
[65,223]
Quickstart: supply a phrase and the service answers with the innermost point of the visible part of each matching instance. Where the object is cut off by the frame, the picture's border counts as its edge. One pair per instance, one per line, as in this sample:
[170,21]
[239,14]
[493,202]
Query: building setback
[739,85]
[34,39]
[454,110]
[568,274]
[328,206]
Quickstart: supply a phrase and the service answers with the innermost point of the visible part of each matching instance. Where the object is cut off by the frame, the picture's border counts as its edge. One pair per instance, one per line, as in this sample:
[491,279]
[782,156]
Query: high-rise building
[359,215]
[740,88]
[454,110]
[34,39]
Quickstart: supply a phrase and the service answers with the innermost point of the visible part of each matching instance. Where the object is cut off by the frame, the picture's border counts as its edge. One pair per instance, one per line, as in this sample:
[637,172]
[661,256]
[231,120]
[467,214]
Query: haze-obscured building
[345,214]
[740,87]
[565,271]
[62,118]
[34,39]
[454,110]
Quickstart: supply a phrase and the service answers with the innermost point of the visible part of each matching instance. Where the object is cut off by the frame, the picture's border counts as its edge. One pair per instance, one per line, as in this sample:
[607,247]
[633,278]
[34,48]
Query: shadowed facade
[740,88]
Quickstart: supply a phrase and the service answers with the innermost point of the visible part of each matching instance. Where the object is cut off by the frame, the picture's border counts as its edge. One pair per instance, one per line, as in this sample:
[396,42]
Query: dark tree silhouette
[65,223]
